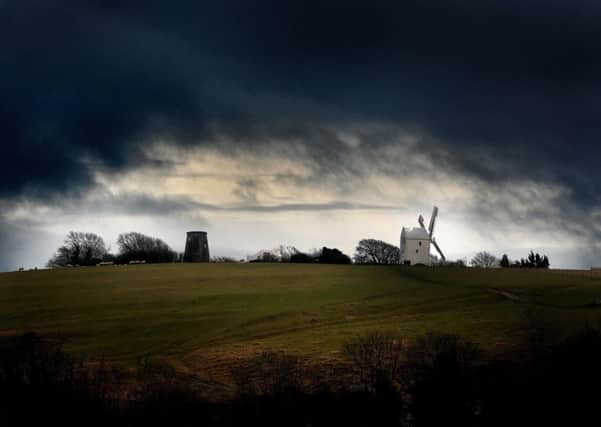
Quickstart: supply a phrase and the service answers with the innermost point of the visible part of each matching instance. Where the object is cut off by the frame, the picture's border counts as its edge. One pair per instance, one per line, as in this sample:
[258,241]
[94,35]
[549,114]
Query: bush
[377,357]
[301,258]
[270,373]
[539,334]
[442,378]
[40,382]
[332,256]
[162,397]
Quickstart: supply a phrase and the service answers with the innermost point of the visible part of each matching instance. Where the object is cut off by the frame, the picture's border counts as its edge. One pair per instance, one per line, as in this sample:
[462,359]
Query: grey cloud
[144,205]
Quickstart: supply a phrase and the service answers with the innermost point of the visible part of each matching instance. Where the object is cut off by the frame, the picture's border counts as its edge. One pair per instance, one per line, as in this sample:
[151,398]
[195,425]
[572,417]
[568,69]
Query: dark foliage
[441,377]
[301,258]
[270,373]
[453,264]
[139,247]
[372,251]
[505,261]
[534,260]
[38,381]
[437,380]
[161,396]
[377,357]
[266,256]
[80,248]
[332,256]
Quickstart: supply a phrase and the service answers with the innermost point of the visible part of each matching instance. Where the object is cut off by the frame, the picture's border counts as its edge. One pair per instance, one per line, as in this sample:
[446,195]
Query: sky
[304,123]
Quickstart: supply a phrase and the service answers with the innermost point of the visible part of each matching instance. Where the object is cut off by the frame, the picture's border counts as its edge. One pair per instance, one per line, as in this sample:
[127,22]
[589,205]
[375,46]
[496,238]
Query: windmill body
[415,246]
[416,242]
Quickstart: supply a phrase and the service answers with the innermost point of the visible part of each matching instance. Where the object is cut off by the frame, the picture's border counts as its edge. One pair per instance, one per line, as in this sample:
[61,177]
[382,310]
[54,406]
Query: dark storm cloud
[502,89]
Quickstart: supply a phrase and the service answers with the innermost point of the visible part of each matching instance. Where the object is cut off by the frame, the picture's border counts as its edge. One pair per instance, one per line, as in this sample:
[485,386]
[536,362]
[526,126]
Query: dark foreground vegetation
[436,380]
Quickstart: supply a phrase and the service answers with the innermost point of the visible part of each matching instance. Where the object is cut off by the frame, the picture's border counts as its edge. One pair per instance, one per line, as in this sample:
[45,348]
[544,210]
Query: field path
[506,294]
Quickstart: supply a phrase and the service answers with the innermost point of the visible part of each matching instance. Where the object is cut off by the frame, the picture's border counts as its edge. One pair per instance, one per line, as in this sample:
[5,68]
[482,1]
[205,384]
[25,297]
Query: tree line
[291,254]
[86,249]
[533,260]
[368,251]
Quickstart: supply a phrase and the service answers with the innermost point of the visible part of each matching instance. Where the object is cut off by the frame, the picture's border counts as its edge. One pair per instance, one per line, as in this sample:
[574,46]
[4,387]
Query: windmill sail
[438,249]
[421,221]
[432,221]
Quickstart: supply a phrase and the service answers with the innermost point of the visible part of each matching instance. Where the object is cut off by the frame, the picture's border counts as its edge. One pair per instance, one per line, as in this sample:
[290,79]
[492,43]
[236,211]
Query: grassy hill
[188,311]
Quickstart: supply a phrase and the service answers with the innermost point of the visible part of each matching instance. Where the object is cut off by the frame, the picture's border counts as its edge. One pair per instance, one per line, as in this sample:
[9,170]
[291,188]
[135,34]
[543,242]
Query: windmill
[431,230]
[415,243]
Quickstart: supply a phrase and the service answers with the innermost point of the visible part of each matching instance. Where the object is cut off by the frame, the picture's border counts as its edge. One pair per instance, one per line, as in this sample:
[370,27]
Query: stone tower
[197,247]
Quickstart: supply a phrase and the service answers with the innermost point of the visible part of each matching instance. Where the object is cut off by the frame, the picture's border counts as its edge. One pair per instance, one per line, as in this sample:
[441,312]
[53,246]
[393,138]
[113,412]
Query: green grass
[122,312]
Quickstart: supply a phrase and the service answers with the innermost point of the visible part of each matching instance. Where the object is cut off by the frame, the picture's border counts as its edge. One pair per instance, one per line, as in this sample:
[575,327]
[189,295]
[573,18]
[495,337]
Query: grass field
[195,312]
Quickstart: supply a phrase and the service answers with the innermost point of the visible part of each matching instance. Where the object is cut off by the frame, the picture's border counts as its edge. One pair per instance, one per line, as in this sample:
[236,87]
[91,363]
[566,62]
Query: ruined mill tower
[197,247]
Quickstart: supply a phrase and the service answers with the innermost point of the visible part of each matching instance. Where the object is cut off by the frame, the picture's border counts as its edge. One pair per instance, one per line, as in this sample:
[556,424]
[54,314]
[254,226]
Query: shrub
[377,357]
[301,258]
[442,380]
[333,256]
[270,373]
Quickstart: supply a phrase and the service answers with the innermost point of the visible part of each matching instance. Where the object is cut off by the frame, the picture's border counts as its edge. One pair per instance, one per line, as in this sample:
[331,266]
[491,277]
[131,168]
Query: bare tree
[484,260]
[223,259]
[372,251]
[282,253]
[79,248]
[137,246]
[286,252]
[376,356]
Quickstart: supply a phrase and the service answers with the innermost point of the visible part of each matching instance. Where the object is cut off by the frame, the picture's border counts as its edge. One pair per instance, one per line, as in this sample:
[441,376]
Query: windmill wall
[415,247]
[197,247]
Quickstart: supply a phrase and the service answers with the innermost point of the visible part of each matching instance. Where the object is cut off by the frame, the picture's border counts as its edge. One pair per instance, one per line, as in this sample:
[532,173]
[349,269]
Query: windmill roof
[416,233]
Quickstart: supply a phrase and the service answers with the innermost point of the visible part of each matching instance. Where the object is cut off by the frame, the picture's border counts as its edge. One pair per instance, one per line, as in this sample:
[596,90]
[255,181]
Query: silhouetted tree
[286,252]
[531,262]
[333,256]
[372,251]
[137,246]
[534,260]
[79,248]
[484,260]
[282,253]
[377,357]
[264,256]
[504,261]
[301,257]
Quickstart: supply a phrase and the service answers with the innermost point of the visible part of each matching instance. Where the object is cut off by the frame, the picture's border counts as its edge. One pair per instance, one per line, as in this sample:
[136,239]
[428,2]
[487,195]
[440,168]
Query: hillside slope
[184,311]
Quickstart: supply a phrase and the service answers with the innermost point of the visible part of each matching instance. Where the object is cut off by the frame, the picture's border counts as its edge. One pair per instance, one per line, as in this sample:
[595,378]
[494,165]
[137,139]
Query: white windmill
[415,242]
